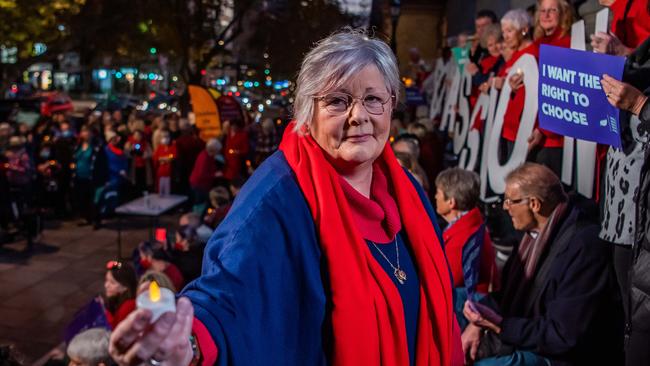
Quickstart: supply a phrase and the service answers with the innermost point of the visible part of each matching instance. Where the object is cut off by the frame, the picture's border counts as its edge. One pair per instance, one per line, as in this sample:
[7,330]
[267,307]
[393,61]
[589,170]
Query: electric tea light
[157,300]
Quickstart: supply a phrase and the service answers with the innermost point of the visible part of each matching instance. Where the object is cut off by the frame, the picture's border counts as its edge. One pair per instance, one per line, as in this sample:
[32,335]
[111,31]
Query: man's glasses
[510,202]
[339,102]
[113,264]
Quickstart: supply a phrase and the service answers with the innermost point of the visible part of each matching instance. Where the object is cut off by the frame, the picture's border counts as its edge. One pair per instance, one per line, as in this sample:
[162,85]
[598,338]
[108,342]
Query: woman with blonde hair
[553,19]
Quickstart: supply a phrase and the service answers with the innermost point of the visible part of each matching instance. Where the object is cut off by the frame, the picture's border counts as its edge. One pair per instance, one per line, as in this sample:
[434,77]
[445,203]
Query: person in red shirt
[205,171]
[629,28]
[120,284]
[235,150]
[553,20]
[544,147]
[163,158]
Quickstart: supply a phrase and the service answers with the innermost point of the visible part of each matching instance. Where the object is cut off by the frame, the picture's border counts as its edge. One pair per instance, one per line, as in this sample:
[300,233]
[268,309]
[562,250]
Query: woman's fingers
[146,346]
[177,344]
[128,331]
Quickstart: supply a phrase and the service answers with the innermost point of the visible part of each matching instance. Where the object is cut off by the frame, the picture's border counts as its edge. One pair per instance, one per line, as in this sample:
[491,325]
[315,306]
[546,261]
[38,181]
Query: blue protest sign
[571,99]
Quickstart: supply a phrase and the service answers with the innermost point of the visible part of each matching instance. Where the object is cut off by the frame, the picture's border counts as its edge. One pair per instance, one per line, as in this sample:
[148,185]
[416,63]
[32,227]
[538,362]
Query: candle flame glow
[154,291]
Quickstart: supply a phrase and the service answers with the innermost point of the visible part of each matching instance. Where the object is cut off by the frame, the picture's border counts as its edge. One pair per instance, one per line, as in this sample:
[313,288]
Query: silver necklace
[397,271]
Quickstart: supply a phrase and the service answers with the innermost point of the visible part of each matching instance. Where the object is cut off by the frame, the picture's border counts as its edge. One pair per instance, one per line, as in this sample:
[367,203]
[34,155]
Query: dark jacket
[638,66]
[574,305]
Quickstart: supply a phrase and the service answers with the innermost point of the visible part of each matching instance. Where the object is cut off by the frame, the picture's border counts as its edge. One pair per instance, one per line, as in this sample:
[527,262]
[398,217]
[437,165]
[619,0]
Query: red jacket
[635,28]
[122,312]
[164,168]
[203,173]
[515,108]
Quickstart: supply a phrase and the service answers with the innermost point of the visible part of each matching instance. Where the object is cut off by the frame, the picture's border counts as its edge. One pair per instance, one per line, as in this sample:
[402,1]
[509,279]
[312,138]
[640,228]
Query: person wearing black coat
[631,96]
[559,303]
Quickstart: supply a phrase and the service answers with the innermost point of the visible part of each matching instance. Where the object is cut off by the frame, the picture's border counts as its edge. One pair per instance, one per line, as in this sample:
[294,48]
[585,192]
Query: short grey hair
[333,61]
[213,144]
[519,18]
[492,30]
[90,346]
[462,185]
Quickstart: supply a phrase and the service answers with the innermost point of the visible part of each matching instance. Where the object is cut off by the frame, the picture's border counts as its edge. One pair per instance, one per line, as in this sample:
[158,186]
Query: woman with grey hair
[90,348]
[544,147]
[330,255]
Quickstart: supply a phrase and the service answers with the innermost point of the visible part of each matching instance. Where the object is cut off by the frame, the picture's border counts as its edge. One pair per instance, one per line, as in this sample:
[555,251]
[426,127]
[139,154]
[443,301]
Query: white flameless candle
[157,300]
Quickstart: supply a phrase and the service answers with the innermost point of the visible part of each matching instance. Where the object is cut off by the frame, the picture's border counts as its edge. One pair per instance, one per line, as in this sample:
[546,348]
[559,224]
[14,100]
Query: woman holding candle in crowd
[331,254]
[120,284]
[544,147]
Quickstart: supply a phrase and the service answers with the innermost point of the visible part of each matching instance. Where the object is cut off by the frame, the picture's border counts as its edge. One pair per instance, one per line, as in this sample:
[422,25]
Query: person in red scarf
[558,303]
[330,253]
[467,242]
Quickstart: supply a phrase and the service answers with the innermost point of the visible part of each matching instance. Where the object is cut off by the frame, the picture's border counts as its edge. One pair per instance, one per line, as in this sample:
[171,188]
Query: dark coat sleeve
[580,280]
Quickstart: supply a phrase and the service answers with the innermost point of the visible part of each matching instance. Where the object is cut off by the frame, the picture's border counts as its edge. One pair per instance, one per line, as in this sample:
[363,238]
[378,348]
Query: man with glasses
[559,304]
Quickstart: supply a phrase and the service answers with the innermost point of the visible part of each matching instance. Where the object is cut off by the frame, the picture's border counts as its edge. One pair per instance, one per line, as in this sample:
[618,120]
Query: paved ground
[41,290]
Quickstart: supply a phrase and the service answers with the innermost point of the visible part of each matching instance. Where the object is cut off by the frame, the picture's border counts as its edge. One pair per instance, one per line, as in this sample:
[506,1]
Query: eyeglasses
[340,102]
[113,264]
[548,11]
[510,202]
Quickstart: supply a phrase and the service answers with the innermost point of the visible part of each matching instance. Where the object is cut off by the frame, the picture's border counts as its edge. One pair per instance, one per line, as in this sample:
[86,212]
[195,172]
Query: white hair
[213,144]
[518,18]
[90,346]
[336,59]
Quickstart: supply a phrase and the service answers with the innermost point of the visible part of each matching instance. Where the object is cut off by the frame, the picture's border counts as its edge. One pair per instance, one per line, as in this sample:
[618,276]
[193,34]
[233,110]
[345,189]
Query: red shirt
[235,150]
[164,168]
[635,28]
[175,276]
[203,173]
[515,108]
[122,312]
[512,117]
[556,39]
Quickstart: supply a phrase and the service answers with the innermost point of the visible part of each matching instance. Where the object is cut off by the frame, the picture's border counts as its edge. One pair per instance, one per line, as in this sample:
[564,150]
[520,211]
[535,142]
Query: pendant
[400,275]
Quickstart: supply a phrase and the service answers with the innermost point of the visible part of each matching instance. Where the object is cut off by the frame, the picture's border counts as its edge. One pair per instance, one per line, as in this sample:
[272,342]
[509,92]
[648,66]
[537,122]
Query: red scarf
[377,217]
[367,314]
[456,238]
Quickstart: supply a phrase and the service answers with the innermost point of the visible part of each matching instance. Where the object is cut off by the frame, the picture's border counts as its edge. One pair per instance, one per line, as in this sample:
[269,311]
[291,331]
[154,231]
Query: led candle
[157,300]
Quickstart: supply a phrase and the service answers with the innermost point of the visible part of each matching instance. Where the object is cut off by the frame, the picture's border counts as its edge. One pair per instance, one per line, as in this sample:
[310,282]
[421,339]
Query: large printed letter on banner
[461,127]
[489,123]
[473,136]
[496,171]
[441,74]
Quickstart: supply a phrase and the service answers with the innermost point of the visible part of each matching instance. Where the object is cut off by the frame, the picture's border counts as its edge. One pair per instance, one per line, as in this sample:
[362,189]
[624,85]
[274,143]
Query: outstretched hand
[166,341]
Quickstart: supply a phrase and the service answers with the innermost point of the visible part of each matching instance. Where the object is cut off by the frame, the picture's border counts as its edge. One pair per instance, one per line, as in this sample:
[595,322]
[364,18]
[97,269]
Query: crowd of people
[331,254]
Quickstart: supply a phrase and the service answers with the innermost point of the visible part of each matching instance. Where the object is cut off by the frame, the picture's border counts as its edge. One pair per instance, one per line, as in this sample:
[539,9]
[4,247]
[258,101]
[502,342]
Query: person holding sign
[633,98]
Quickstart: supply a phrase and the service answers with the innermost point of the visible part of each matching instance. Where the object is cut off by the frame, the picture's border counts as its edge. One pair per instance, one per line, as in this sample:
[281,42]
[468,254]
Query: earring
[523,33]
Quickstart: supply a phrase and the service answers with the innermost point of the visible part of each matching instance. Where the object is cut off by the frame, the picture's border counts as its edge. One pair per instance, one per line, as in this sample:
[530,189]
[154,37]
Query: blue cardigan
[262,293]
